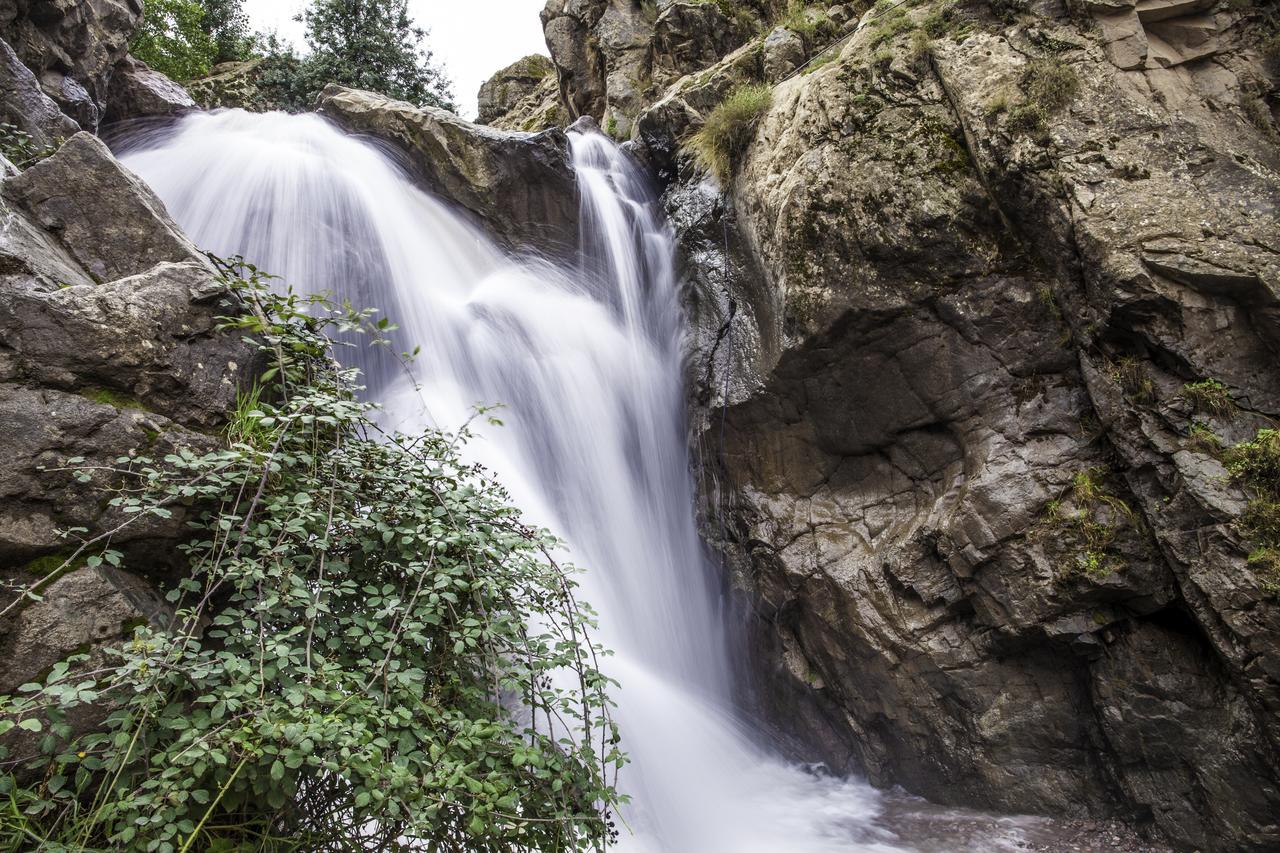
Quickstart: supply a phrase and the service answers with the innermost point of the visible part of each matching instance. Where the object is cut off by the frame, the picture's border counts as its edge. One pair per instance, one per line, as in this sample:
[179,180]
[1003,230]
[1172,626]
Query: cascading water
[586,362]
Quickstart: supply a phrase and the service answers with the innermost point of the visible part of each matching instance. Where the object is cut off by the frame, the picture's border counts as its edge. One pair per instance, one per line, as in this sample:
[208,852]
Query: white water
[586,362]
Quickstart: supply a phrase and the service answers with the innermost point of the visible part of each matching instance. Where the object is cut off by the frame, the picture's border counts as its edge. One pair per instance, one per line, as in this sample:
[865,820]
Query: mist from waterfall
[585,359]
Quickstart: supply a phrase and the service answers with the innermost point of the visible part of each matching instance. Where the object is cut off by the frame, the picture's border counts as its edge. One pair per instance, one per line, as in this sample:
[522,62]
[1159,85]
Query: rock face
[614,57]
[25,106]
[109,347]
[508,87]
[973,267]
[72,47]
[137,91]
[519,186]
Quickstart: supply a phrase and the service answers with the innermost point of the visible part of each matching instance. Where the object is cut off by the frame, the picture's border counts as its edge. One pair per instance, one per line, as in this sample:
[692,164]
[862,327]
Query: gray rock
[26,107]
[784,52]
[72,47]
[501,93]
[137,91]
[520,186]
[106,218]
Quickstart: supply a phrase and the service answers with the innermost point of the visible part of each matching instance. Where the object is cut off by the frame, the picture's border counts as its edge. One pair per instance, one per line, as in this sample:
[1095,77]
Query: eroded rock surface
[943,322]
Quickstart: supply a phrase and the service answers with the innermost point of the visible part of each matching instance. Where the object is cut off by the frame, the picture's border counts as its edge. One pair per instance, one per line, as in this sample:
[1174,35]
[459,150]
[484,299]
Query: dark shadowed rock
[72,47]
[520,186]
[25,106]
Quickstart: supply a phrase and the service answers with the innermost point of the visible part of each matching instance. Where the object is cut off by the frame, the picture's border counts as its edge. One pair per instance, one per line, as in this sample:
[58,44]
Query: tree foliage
[183,39]
[172,39]
[371,650]
[373,45]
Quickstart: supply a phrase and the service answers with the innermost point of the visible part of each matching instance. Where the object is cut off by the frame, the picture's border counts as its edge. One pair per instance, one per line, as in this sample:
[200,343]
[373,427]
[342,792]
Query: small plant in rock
[1132,376]
[729,129]
[1085,524]
[371,650]
[20,149]
[1255,464]
[1204,440]
[1209,397]
[1049,86]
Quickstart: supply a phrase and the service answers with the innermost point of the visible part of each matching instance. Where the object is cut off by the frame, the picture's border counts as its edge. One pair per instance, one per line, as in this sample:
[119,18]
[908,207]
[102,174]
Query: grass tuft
[1209,397]
[729,128]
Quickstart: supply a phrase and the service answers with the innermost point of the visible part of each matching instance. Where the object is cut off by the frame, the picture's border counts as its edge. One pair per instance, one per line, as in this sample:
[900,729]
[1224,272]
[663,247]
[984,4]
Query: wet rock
[520,186]
[969,316]
[25,106]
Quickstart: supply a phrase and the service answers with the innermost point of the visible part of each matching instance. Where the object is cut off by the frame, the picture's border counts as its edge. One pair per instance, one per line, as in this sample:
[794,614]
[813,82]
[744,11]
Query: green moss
[1255,464]
[729,129]
[107,397]
[47,565]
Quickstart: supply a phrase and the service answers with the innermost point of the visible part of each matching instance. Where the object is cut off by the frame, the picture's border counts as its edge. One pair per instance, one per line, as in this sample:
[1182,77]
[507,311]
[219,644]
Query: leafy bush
[20,148]
[729,128]
[1049,86]
[368,652]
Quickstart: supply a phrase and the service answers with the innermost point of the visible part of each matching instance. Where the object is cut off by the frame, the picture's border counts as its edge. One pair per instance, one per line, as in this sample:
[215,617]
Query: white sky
[471,38]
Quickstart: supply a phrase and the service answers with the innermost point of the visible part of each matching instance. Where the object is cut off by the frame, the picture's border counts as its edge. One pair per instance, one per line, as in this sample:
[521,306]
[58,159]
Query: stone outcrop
[502,92]
[26,107]
[945,318]
[72,47]
[519,186]
[138,91]
[614,57]
[109,348]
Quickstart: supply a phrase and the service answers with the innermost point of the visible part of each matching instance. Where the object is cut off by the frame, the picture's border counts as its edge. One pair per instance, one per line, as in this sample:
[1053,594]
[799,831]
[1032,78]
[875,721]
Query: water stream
[586,361]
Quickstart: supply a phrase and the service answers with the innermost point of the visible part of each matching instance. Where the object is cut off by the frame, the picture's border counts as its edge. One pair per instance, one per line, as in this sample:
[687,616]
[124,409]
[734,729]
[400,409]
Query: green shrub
[729,128]
[365,655]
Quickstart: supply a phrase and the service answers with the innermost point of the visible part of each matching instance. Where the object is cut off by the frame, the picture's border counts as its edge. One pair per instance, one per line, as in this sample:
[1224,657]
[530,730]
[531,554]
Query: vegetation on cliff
[365,44]
[370,646]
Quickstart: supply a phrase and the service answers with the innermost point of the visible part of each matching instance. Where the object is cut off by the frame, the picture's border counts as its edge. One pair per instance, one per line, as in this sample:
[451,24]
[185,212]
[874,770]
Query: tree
[183,39]
[374,45]
[227,27]
[172,39]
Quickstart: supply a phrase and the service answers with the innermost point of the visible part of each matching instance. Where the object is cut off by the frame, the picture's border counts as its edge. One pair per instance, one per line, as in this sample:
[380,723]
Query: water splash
[587,363]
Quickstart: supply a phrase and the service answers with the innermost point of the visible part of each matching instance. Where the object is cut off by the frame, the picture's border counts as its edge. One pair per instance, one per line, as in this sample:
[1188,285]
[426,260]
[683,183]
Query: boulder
[519,186]
[106,218]
[138,91]
[784,52]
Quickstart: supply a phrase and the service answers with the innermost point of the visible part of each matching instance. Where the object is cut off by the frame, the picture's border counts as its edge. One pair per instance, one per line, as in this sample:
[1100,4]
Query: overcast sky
[471,38]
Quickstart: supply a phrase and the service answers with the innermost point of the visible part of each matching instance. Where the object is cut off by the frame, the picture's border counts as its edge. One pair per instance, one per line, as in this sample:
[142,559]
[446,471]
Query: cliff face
[956,323]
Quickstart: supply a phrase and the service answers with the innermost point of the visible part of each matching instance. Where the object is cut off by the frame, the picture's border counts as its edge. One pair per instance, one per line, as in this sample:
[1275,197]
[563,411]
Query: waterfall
[586,362]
